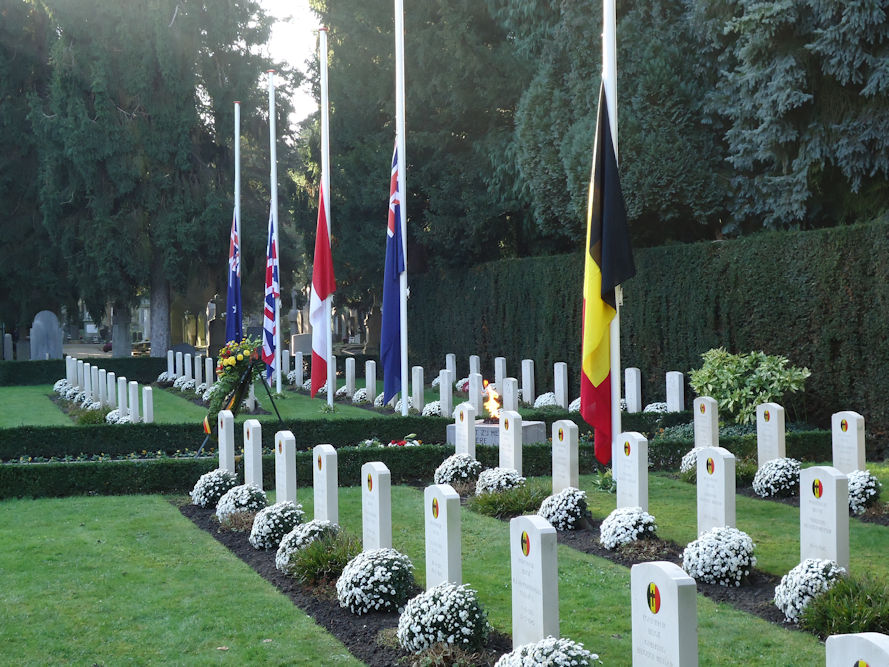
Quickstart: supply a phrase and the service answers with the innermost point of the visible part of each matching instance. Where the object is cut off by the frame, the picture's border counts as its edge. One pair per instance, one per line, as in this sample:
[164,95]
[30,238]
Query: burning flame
[492,404]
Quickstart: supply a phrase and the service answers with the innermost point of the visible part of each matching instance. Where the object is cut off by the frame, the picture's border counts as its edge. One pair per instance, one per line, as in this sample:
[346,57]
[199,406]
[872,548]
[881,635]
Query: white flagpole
[609,80]
[273,151]
[325,188]
[237,190]
[402,192]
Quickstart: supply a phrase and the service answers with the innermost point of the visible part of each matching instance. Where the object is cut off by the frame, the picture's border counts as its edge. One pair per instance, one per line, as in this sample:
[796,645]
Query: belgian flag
[608,262]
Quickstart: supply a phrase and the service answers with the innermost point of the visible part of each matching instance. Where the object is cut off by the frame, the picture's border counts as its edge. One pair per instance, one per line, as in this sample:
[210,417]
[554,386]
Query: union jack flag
[233,317]
[272,294]
[390,332]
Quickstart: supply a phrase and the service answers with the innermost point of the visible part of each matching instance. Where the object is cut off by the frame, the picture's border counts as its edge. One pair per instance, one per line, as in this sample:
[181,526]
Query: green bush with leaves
[852,604]
[510,503]
[740,382]
[322,560]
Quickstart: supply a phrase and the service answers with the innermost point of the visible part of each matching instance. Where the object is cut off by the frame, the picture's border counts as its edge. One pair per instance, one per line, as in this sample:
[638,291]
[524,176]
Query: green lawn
[30,406]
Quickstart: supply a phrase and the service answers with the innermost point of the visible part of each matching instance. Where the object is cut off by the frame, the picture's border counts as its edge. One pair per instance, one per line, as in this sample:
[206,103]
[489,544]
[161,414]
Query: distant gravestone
[225,425]
[847,437]
[171,362]
[94,382]
[285,467]
[716,488]
[443,542]
[370,380]
[417,396]
[510,394]
[675,391]
[464,430]
[133,402]
[824,515]
[46,336]
[630,467]
[325,480]
[350,376]
[535,580]
[179,361]
[706,422]
[475,392]
[445,393]
[285,365]
[209,371]
[198,370]
[88,379]
[499,372]
[560,373]
[217,335]
[451,364]
[102,385]
[528,395]
[69,369]
[376,506]
[770,441]
[80,383]
[112,390]
[148,405]
[663,604]
[475,364]
[122,397]
[299,368]
[565,455]
[511,440]
[864,649]
[253,452]
[7,347]
[633,389]
[187,366]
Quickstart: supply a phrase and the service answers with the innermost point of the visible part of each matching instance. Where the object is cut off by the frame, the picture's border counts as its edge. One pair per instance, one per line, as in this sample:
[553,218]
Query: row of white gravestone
[105,388]
[675,382]
[198,368]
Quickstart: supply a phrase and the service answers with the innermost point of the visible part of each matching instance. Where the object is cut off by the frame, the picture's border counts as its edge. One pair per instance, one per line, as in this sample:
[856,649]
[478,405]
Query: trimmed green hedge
[141,369]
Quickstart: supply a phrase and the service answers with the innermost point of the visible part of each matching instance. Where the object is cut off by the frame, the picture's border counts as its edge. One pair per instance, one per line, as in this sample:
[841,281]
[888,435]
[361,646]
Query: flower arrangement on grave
[342,392]
[432,409]
[179,381]
[658,407]
[566,509]
[689,461]
[234,360]
[864,490]
[803,583]
[61,386]
[211,486]
[777,478]
[238,504]
[165,379]
[574,406]
[300,537]
[378,401]
[71,393]
[188,385]
[407,441]
[376,580]
[410,404]
[436,381]
[201,389]
[291,377]
[548,651]
[445,614]
[360,396]
[114,417]
[721,556]
[462,385]
[625,525]
[494,480]
[272,523]
[546,400]
[457,469]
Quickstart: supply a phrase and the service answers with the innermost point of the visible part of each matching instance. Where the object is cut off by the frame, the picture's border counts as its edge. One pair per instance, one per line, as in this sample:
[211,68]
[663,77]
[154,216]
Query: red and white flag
[272,294]
[323,287]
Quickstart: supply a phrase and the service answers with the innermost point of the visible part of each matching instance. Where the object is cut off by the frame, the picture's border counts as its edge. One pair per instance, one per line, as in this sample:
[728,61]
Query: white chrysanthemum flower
[546,400]
[625,525]
[658,407]
[566,509]
[548,651]
[211,486]
[864,490]
[457,468]
[721,556]
[432,409]
[360,396]
[494,480]
[112,417]
[574,406]
[803,583]
[299,538]
[446,613]
[689,460]
[376,580]
[272,523]
[243,498]
[777,477]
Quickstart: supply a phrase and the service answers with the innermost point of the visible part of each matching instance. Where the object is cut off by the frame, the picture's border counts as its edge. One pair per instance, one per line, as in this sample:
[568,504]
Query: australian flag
[390,334]
[233,320]
[272,294]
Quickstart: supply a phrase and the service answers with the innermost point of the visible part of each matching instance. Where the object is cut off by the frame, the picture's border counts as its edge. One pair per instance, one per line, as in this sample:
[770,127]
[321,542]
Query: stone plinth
[489,434]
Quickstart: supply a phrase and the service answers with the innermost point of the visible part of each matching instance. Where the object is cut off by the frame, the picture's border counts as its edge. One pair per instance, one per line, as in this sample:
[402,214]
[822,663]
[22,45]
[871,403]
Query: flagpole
[325,188]
[237,220]
[402,191]
[609,81]
[273,151]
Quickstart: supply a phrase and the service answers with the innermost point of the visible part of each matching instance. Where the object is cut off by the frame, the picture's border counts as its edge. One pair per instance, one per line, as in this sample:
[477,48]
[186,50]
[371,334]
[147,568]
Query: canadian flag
[323,287]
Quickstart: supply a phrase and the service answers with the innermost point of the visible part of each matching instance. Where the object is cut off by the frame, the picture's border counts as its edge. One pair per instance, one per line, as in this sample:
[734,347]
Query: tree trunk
[121,345]
[160,313]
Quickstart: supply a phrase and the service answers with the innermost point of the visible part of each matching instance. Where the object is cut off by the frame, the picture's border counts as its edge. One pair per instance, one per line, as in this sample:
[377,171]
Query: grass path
[30,406]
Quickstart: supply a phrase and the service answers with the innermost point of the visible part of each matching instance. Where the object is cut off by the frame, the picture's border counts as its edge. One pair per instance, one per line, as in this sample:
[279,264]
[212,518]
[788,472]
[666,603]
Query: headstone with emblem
[528,395]
[370,379]
[417,391]
[560,374]
[663,605]
[464,429]
[443,543]
[510,440]
[716,488]
[630,467]
[133,402]
[225,428]
[770,443]
[864,649]
[285,467]
[376,506]
[706,422]
[847,437]
[565,455]
[253,452]
[325,480]
[148,405]
[499,372]
[510,394]
[475,392]
[535,580]
[633,389]
[675,391]
[824,515]
[445,393]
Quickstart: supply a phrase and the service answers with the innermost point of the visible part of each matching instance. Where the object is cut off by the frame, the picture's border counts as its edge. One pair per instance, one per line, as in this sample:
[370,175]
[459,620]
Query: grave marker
[122,397]
[112,390]
[253,452]
[630,467]
[847,438]
[88,379]
[285,467]
[675,391]
[285,365]
[178,364]
[663,604]
[376,506]
[370,379]
[198,370]
[445,393]
[209,371]
[350,376]
[443,543]
[187,366]
[148,405]
[46,336]
[633,389]
[451,364]
[475,392]
[94,383]
[171,368]
[133,402]
[510,440]
[560,371]
[102,384]
[863,649]
[565,461]
[80,384]
[417,395]
[528,395]
[706,422]
[69,370]
[225,424]
[769,433]
[535,579]
[464,430]
[716,488]
[7,347]
[475,364]
[325,480]
[499,372]
[510,394]
[299,368]
[824,515]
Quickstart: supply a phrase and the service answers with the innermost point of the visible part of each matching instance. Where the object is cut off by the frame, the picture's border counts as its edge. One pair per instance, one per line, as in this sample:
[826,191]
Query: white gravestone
[171,362]
[633,389]
[535,580]
[663,604]
[445,393]
[706,416]
[94,383]
[325,480]
[565,461]
[69,374]
[285,467]
[864,649]
[443,542]
[225,430]
[770,443]
[511,440]
[7,347]
[122,397]
[209,371]
[847,437]
[499,372]
[102,393]
[80,365]
[370,379]
[88,379]
[178,364]
[630,467]
[417,395]
[675,391]
[475,392]
[253,452]
[285,364]
[560,373]
[451,364]
[376,506]
[198,370]
[187,366]
[475,364]
[824,515]
[716,488]
[509,393]
[133,402]
[528,395]
[112,390]
[464,430]
[250,401]
[299,368]
[148,405]
[350,375]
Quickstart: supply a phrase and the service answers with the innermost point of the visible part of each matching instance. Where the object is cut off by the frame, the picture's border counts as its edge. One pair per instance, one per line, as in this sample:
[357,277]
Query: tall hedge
[47,371]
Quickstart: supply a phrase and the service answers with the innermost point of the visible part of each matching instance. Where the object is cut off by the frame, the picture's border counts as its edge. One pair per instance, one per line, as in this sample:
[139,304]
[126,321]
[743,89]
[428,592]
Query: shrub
[864,490]
[509,503]
[566,509]
[777,478]
[272,523]
[625,525]
[322,561]
[852,604]
[300,537]
[493,480]
[446,613]
[376,580]
[548,651]
[460,469]
[721,556]
[211,486]
[803,584]
[244,499]
[604,480]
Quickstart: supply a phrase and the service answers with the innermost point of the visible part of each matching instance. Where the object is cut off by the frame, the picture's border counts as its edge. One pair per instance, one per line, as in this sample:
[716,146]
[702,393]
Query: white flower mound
[864,490]
[378,401]
[291,377]
[272,523]
[376,580]
[689,460]
[721,556]
[61,386]
[211,486]
[548,651]
[165,378]
[546,400]
[360,396]
[804,583]
[655,407]
[446,613]
[494,480]
[243,498]
[71,393]
[301,537]
[462,385]
[625,525]
[777,477]
[410,404]
[566,509]
[342,392]
[457,468]
[436,381]
[201,388]
[432,409]
[179,381]
[574,406]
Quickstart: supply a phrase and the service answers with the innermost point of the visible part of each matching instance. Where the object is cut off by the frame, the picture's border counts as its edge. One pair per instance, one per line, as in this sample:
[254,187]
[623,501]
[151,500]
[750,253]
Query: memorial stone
[706,418]
[633,389]
[209,371]
[122,409]
[511,440]
[80,383]
[325,482]
[630,467]
[476,398]
[253,452]
[225,424]
[716,488]
[148,405]
[510,394]
[370,379]
[7,347]
[847,438]
[417,395]
[769,433]
[663,604]
[299,368]
[451,364]
[534,578]
[528,395]
[445,393]
[285,365]
[499,372]
[171,368]
[46,336]
[285,467]
[179,371]
[376,506]
[864,649]
[443,542]
[350,376]
[824,514]
[102,384]
[560,374]
[187,367]
[565,455]
[69,375]
[198,370]
[475,364]
[88,379]
[94,383]
[675,391]
[464,430]
[112,390]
